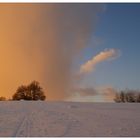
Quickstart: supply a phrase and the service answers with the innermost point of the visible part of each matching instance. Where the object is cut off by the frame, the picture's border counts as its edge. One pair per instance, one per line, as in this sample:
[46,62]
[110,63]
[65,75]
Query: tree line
[124,96]
[33,91]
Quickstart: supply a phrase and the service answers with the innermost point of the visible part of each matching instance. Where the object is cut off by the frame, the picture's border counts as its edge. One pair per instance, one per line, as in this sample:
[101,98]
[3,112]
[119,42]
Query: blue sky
[118,28]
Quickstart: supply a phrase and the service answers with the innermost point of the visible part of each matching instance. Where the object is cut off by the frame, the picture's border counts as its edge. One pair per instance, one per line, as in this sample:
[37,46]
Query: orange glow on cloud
[90,65]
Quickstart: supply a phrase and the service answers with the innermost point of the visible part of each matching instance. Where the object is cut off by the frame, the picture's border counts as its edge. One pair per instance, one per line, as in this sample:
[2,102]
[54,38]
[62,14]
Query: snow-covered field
[66,119]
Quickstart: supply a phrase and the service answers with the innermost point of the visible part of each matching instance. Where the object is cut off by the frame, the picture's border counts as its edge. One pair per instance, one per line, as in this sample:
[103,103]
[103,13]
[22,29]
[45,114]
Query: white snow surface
[69,119]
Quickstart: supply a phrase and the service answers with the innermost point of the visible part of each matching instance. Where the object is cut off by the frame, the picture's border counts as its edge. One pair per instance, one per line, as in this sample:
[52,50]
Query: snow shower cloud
[41,42]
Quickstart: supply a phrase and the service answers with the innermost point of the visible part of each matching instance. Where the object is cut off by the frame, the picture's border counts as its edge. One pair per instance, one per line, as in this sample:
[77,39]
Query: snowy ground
[67,119]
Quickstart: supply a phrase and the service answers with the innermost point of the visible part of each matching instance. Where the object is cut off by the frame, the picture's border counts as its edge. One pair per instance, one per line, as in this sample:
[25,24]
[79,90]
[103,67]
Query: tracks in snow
[40,122]
[57,119]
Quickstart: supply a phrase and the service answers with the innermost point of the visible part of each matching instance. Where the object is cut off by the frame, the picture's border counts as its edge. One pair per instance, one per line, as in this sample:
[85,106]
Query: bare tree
[33,91]
[131,96]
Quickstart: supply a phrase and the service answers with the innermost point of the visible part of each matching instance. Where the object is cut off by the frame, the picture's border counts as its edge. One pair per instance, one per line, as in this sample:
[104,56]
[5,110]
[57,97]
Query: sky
[78,52]
[118,28]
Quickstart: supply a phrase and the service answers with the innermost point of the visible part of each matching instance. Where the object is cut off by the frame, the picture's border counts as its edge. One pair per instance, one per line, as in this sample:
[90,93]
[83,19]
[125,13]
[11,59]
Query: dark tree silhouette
[130,96]
[21,93]
[122,96]
[2,98]
[33,91]
[117,98]
[138,98]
